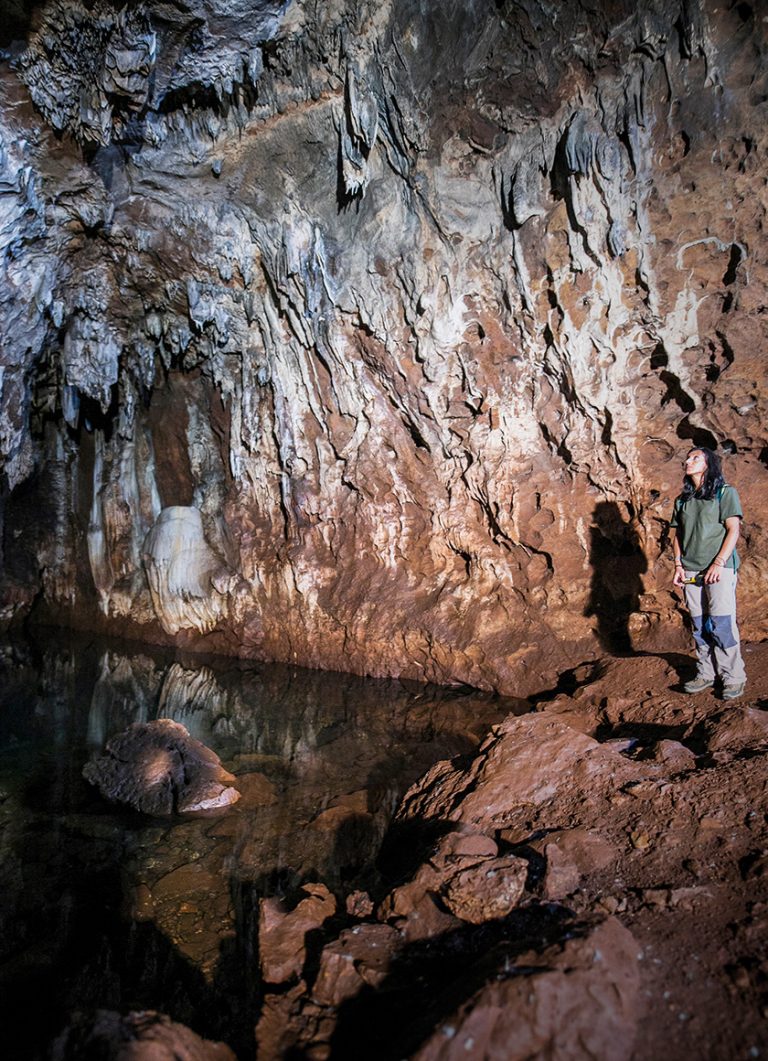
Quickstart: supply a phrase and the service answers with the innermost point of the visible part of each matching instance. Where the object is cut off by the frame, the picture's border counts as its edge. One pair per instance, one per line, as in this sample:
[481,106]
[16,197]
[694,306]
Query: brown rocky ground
[636,929]
[587,881]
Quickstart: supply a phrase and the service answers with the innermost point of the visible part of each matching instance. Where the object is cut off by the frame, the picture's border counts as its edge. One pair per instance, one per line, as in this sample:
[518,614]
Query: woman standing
[706,523]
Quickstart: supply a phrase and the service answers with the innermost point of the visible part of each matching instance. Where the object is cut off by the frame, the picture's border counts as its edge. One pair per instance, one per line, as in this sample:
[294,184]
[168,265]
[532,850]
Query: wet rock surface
[108,910]
[158,769]
[367,335]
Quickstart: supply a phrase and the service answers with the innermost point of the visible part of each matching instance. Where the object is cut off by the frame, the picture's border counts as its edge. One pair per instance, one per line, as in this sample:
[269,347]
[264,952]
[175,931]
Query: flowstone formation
[370,335]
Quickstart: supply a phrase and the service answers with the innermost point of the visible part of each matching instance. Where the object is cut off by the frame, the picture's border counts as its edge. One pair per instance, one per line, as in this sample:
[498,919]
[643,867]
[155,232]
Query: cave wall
[371,336]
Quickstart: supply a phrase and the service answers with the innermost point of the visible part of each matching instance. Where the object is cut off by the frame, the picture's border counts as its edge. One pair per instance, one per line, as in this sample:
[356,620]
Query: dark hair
[713,479]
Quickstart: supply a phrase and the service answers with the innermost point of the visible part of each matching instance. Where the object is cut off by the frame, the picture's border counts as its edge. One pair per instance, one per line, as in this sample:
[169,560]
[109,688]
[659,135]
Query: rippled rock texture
[369,336]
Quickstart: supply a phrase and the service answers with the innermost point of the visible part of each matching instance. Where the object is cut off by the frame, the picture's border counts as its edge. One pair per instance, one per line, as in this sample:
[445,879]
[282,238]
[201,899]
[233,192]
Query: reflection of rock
[125,692]
[578,1002]
[157,768]
[145,1036]
[192,697]
[188,582]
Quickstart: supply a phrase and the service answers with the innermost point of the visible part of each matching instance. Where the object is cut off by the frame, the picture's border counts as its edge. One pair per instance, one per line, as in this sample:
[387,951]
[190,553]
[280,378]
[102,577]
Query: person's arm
[732,531]
[679,577]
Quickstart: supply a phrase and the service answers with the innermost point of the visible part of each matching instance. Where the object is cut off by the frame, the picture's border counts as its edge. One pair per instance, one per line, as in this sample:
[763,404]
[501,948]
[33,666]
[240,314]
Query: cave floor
[691,880]
[106,909]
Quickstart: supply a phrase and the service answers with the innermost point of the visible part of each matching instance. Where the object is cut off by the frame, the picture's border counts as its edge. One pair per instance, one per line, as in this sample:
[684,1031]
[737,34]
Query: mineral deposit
[396,316]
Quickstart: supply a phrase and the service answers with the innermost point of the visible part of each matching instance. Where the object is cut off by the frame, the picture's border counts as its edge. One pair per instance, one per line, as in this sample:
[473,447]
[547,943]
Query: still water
[102,908]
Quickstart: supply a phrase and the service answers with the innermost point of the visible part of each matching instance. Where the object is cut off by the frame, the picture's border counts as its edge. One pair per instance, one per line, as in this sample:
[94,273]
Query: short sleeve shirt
[701,528]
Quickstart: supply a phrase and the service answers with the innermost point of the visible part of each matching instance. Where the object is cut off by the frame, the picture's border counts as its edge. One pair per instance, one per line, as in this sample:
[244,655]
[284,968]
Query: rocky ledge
[591,884]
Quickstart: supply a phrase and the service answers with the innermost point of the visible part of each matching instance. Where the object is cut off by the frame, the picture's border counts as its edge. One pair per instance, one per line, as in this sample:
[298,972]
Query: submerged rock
[158,769]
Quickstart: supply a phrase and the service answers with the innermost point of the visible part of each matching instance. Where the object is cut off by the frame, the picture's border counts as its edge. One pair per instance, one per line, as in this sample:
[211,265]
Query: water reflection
[103,908]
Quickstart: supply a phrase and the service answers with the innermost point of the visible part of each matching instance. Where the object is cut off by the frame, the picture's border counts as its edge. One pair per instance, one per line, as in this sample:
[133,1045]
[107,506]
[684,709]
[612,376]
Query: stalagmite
[187,581]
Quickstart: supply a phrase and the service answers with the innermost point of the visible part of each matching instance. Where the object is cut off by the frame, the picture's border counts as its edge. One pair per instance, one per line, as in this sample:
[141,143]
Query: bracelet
[678,563]
[718,563]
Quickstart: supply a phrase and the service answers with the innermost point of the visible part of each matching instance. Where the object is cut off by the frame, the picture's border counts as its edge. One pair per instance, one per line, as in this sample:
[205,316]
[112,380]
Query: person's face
[695,463]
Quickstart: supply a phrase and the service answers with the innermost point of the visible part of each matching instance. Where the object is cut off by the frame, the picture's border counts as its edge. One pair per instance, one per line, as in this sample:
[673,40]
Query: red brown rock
[360,956]
[577,1003]
[417,906]
[572,855]
[488,890]
[158,769]
[359,904]
[736,729]
[527,764]
[282,934]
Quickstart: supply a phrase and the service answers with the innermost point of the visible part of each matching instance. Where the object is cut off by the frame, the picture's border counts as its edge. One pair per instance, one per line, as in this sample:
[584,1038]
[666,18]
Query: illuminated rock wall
[417,305]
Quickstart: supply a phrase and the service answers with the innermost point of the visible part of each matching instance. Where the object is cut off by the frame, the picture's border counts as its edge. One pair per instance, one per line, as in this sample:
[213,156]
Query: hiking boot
[698,685]
[733,690]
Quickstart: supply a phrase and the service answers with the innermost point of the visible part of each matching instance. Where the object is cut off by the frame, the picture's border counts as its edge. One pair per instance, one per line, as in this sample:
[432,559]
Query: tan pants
[713,613]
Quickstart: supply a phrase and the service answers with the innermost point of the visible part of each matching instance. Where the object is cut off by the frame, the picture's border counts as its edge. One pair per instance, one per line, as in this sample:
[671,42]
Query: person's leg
[720,606]
[695,602]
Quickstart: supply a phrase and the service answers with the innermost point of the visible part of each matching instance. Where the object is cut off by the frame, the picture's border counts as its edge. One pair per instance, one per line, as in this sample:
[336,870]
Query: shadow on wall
[618,564]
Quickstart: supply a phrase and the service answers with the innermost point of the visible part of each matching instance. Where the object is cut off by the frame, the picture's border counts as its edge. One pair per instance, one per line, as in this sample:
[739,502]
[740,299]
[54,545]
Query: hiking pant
[713,613]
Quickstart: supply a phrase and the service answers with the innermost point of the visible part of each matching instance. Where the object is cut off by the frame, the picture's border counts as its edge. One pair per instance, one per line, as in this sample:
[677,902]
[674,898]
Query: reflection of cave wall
[397,297]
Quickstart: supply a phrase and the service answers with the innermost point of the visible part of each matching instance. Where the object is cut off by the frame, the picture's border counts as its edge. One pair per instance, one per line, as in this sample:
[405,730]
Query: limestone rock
[416,305]
[582,1003]
[486,891]
[282,934]
[185,577]
[158,769]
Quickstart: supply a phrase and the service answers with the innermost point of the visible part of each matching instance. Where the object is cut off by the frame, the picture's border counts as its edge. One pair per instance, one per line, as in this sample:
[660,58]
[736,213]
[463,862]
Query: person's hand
[679,578]
[713,574]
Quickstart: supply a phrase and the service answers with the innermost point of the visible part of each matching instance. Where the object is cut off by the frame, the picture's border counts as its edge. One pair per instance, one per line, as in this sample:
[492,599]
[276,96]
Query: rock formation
[138,1036]
[412,308]
[157,768]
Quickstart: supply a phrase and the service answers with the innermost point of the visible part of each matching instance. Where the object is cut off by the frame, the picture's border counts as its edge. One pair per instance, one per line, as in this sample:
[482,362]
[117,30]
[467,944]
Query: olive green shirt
[700,527]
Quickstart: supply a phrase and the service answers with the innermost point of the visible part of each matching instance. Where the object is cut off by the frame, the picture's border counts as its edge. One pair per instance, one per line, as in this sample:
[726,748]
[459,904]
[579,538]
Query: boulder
[577,1002]
[282,934]
[158,769]
[360,956]
[486,891]
[526,765]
